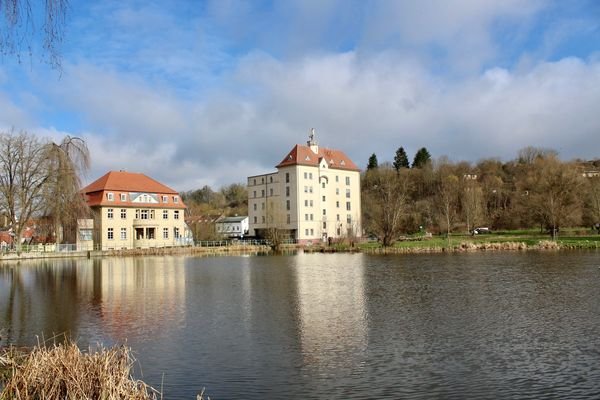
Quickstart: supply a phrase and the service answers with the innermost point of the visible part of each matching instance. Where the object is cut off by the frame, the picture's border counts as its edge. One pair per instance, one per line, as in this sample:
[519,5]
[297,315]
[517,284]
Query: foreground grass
[63,371]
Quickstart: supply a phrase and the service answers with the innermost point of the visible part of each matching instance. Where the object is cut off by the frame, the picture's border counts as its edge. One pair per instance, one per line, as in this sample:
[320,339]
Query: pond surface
[333,326]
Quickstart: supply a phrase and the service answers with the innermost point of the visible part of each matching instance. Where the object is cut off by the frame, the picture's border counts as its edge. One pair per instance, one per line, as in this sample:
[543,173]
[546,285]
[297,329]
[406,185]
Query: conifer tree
[421,158]
[401,159]
[373,164]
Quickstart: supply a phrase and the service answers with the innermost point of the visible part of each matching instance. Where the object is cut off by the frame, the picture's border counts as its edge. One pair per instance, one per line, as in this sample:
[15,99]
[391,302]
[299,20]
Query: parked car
[480,231]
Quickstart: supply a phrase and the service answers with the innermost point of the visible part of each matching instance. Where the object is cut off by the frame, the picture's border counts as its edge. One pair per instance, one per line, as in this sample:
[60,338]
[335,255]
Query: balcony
[144,222]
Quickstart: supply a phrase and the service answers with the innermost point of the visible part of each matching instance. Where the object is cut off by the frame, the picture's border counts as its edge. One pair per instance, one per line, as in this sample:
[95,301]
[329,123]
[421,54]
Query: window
[306,217]
[263,219]
[310,202]
[123,233]
[305,189]
[123,197]
[151,214]
[176,214]
[123,213]
[110,234]
[306,232]
[312,232]
[324,212]
[165,199]
[323,185]
[144,214]
[254,194]
[262,193]
[337,217]
[323,198]
[262,206]
[255,181]
[310,175]
[347,193]
[176,233]
[110,196]
[324,225]
[287,205]
[175,199]
[289,218]
[348,181]
[337,178]
[165,233]
[311,217]
[337,204]
[255,220]
[137,214]
[348,206]
[86,234]
[310,189]
[349,219]
[305,203]
[165,214]
[150,233]
[305,175]
[271,192]
[271,179]
[337,191]
[254,206]
[109,213]
[262,180]
[287,191]
[287,177]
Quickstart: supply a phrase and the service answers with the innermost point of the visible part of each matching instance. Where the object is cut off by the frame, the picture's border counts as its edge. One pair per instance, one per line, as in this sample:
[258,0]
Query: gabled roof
[303,155]
[127,182]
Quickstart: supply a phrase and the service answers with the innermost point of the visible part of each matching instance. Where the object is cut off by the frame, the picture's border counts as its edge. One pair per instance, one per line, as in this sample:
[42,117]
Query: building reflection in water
[127,297]
[332,309]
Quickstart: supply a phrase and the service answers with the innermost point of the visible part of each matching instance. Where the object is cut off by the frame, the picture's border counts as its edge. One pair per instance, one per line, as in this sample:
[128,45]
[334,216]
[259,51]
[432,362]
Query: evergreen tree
[372,162]
[421,158]
[400,159]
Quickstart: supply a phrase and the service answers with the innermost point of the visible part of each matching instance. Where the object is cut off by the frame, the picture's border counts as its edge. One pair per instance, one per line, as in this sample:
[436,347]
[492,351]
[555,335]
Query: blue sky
[209,92]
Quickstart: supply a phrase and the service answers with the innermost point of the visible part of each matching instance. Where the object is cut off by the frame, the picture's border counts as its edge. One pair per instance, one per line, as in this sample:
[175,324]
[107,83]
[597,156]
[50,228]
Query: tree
[373,164]
[422,158]
[400,159]
[67,161]
[385,199]
[23,178]
[551,191]
[446,197]
[19,26]
[592,203]
[471,201]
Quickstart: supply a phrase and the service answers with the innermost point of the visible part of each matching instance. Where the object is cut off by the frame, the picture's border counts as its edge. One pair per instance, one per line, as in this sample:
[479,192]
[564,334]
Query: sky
[196,93]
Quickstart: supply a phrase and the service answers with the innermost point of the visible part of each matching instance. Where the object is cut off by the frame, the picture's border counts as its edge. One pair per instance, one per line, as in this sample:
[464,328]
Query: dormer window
[110,196]
[342,162]
[123,197]
[165,199]
[175,199]
[307,158]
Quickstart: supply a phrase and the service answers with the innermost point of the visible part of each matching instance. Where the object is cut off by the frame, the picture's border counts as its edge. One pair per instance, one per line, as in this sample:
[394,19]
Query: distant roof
[303,155]
[232,219]
[127,182]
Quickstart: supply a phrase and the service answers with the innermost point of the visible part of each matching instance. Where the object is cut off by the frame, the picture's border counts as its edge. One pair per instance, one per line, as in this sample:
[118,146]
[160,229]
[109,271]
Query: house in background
[233,227]
[132,210]
[314,196]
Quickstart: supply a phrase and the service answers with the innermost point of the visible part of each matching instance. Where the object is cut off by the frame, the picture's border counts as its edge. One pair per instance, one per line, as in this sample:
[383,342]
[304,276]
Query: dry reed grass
[62,371]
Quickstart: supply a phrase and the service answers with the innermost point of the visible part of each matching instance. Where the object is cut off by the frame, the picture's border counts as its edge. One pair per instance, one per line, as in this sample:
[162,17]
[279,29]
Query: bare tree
[592,185]
[471,201]
[446,197]
[385,199]
[23,176]
[552,191]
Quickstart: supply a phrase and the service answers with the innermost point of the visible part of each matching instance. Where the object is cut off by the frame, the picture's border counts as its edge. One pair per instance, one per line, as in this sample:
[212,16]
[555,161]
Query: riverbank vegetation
[536,191]
[63,371]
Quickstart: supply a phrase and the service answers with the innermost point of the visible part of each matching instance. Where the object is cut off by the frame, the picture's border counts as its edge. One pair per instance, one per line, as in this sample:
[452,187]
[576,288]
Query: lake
[505,325]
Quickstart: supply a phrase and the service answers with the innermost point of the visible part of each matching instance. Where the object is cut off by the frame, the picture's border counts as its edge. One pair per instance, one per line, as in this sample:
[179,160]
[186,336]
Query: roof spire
[312,143]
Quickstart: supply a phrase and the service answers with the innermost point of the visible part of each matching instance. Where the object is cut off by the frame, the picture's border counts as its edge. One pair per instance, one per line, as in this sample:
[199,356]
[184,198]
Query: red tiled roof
[127,182]
[118,182]
[303,155]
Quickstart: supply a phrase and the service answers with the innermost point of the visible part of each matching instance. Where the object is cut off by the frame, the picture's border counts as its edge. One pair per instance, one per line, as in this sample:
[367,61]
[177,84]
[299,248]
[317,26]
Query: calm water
[501,325]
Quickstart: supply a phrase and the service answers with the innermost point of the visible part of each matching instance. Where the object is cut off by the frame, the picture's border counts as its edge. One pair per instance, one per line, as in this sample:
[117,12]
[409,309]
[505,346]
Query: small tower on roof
[312,142]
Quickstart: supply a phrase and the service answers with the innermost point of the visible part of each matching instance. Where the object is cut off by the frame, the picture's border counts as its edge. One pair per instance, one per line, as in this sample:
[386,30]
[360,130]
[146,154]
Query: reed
[62,371]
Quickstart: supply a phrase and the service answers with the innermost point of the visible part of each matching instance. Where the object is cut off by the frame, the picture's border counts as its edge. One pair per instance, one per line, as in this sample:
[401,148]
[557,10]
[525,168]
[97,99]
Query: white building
[232,226]
[313,196]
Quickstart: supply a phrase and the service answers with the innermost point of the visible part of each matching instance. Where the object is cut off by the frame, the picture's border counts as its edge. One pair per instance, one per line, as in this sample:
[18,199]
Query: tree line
[536,189]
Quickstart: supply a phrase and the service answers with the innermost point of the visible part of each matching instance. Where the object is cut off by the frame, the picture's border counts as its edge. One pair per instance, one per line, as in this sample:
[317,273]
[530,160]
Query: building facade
[131,210]
[314,196]
[233,227]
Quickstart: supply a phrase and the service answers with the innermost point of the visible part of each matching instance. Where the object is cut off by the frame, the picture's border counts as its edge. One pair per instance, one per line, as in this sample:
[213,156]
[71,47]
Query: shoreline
[418,248]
